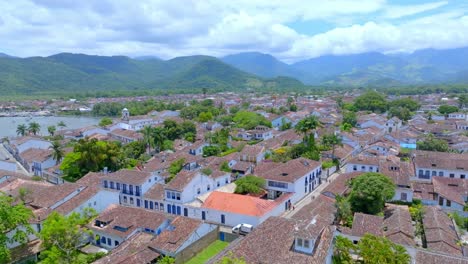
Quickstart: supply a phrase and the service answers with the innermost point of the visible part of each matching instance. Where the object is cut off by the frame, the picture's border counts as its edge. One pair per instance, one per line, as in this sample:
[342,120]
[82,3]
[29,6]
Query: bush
[250,184]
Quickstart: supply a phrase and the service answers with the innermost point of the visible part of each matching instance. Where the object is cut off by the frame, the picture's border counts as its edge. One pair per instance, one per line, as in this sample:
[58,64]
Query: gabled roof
[128,176]
[440,232]
[365,223]
[289,171]
[241,204]
[453,189]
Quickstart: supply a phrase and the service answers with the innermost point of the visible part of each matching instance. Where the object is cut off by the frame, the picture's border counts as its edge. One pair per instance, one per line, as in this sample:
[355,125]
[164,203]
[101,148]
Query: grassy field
[208,252]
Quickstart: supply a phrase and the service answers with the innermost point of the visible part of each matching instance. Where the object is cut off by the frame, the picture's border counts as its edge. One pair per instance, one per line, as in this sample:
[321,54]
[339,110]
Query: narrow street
[4,154]
[308,198]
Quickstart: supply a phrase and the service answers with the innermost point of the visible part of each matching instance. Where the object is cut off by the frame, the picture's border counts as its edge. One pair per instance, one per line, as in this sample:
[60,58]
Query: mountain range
[67,72]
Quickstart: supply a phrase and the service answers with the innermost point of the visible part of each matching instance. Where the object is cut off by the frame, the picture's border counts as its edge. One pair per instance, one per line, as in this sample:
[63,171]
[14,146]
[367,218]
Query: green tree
[370,191]
[176,166]
[344,214]
[304,126]
[34,128]
[211,151]
[402,113]
[57,152]
[63,235]
[61,124]
[407,103]
[205,117]
[350,118]
[249,120]
[105,122]
[293,108]
[375,249]
[447,109]
[12,216]
[148,137]
[342,250]
[430,143]
[462,101]
[250,184]
[225,167]
[371,101]
[51,130]
[21,130]
[231,259]
[159,136]
[331,141]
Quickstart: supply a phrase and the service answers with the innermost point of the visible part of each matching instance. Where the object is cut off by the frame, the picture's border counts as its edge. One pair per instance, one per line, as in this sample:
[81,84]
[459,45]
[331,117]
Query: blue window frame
[105,184]
[117,187]
[130,188]
[109,241]
[146,204]
[124,188]
[111,184]
[169,208]
[174,209]
[137,190]
[178,210]
[151,204]
[103,240]
[138,202]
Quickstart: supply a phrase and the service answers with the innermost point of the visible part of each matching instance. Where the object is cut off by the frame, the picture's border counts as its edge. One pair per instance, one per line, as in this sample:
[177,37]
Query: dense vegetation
[250,184]
[370,191]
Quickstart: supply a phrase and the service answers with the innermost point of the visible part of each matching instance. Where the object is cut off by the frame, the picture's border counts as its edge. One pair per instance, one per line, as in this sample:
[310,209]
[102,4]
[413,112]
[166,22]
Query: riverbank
[25,114]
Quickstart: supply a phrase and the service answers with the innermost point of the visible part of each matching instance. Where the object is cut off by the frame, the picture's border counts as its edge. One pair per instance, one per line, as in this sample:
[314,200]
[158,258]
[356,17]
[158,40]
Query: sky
[290,30]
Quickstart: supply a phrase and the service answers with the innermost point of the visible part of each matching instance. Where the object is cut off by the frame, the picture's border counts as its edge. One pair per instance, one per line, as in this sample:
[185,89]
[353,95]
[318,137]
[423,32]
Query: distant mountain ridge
[65,72]
[373,68]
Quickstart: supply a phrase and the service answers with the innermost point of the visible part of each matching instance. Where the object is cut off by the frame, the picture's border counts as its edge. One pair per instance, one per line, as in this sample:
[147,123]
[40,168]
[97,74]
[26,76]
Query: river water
[8,125]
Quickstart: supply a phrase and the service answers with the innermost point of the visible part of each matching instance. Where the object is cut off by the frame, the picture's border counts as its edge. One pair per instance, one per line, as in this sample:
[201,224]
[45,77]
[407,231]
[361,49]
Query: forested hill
[67,72]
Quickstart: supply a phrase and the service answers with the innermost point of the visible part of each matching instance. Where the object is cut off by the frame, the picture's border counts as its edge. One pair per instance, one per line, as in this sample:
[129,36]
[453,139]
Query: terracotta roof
[35,154]
[156,192]
[127,219]
[422,190]
[128,176]
[398,225]
[440,232]
[126,133]
[453,189]
[272,242]
[252,150]
[339,186]
[321,210]
[133,250]
[241,204]
[365,223]
[171,239]
[181,180]
[290,171]
[441,160]
[428,257]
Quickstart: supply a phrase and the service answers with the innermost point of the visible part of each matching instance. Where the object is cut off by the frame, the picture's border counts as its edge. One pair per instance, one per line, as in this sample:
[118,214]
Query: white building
[443,164]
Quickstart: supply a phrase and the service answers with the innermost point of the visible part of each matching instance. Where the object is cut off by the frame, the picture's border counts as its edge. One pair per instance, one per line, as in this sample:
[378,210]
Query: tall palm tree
[307,124]
[332,140]
[57,153]
[34,128]
[158,137]
[51,130]
[148,137]
[21,130]
[61,124]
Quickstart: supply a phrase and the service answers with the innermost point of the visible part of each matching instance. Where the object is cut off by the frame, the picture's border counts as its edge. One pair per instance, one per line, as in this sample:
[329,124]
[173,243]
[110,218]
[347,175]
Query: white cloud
[398,11]
[174,28]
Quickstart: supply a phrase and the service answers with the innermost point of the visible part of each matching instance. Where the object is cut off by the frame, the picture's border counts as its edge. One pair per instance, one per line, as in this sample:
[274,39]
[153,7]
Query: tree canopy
[249,120]
[249,184]
[447,109]
[12,215]
[370,191]
[371,101]
[430,143]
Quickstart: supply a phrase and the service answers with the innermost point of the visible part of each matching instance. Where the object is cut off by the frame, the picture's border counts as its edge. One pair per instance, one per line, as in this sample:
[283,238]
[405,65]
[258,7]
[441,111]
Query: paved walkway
[308,198]
[5,154]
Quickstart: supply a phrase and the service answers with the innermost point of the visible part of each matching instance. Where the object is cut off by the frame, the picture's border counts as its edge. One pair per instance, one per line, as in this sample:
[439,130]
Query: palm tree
[57,153]
[51,130]
[332,140]
[61,124]
[21,130]
[148,137]
[34,128]
[307,124]
[159,137]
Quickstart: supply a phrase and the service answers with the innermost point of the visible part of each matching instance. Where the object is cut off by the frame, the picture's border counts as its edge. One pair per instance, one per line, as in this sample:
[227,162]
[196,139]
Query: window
[111,185]
[462,176]
[109,241]
[94,202]
[124,188]
[156,206]
[371,168]
[449,203]
[103,239]
[421,173]
[452,175]
[137,190]
[441,173]
[146,204]
[198,190]
[168,195]
[161,207]
[404,196]
[169,208]
[218,184]
[278,184]
[117,186]
[105,184]
[363,168]
[306,243]
[354,168]
[178,196]
[116,243]
[226,181]
[131,200]
[130,188]
[173,195]
[441,201]
[434,173]
[223,219]
[125,199]
[208,187]
[299,242]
